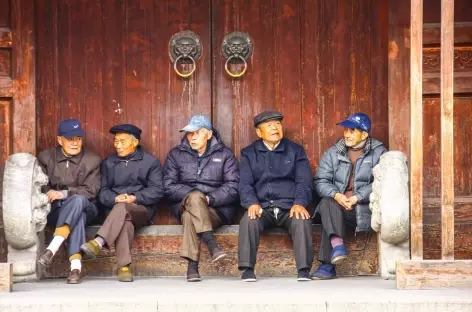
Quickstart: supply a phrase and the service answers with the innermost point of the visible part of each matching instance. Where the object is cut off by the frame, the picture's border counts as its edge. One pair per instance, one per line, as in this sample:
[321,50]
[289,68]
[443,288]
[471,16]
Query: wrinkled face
[271,131]
[199,139]
[70,146]
[352,137]
[125,144]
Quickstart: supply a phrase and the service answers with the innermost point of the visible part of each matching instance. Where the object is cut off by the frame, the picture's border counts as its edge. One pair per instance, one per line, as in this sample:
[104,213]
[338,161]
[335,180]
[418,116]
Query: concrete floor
[366,294]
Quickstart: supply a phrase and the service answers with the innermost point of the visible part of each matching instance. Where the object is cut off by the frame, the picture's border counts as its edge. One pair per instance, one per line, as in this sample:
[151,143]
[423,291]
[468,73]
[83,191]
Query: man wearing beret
[74,182]
[130,189]
[343,181]
[201,180]
[275,187]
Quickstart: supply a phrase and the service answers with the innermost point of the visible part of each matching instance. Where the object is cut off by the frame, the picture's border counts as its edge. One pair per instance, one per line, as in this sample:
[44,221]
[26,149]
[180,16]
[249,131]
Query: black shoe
[304,275]
[248,275]
[192,272]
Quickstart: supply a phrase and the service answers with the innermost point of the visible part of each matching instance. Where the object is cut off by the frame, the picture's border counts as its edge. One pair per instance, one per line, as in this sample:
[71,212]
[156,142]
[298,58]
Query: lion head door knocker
[236,48]
[185,47]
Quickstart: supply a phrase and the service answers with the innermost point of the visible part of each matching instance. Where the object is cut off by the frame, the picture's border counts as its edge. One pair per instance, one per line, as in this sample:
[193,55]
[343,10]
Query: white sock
[76,264]
[55,244]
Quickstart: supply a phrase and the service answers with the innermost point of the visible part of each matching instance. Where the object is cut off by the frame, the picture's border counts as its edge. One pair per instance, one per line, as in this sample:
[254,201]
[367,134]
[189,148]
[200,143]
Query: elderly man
[275,188]
[130,189]
[201,180]
[74,181]
[344,183]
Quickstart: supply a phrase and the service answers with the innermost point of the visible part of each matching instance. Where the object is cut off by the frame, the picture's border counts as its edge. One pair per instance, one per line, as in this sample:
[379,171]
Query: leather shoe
[74,277]
[46,258]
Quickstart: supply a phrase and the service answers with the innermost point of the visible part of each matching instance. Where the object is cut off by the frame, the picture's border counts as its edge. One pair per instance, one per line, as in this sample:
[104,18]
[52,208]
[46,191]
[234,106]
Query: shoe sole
[322,278]
[249,280]
[89,254]
[192,280]
[303,279]
[126,281]
[338,259]
[219,257]
[73,283]
[42,263]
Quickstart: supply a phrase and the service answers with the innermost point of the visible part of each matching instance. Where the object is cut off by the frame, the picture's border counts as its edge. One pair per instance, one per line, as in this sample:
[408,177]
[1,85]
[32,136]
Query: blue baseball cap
[197,122]
[70,128]
[357,121]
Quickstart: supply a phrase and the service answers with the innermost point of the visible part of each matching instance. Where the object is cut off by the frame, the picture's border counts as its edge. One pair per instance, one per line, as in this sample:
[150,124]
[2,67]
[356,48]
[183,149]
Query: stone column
[25,211]
[390,205]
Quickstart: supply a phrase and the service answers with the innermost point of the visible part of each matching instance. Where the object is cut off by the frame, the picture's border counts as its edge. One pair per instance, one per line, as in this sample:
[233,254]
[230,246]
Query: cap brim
[190,128]
[351,125]
[74,133]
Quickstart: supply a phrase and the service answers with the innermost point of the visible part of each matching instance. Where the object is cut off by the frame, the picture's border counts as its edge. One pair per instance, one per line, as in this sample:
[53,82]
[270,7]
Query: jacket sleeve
[228,192]
[363,193]
[91,184]
[106,196]
[42,162]
[174,190]
[247,190]
[154,190]
[324,177]
[303,184]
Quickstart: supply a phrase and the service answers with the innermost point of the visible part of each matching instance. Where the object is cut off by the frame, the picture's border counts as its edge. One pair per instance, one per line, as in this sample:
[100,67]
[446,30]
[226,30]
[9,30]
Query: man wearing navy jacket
[275,187]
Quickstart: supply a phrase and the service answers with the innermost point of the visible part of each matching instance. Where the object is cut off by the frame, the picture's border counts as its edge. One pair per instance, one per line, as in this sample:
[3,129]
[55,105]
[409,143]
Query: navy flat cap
[266,116]
[127,128]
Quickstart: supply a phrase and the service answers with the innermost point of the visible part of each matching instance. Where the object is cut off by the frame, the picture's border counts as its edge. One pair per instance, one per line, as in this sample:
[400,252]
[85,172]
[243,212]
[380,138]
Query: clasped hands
[125,198]
[347,202]
[300,212]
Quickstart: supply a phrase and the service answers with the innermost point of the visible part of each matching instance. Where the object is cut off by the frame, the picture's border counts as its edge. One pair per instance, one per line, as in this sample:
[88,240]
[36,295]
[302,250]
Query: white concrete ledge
[361,294]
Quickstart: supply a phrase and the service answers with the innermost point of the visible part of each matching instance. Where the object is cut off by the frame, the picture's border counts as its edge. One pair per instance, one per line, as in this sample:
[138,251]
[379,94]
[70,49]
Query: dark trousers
[76,211]
[197,217]
[119,227]
[299,229]
[334,220]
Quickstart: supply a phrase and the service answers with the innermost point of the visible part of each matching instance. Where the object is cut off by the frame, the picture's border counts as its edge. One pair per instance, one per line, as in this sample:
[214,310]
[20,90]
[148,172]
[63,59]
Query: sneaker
[218,254]
[324,272]
[338,254]
[125,275]
[248,275]
[303,275]
[91,248]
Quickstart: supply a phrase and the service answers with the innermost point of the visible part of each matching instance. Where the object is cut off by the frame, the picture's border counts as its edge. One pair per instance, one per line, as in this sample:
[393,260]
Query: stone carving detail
[390,205]
[462,59]
[25,211]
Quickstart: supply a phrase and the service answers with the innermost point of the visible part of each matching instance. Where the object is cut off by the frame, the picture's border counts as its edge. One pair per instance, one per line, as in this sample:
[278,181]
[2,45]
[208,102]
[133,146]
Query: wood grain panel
[6,141]
[462,146]
[5,13]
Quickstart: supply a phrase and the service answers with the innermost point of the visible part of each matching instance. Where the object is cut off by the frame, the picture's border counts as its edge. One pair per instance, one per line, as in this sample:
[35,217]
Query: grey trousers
[76,211]
[334,220]
[299,229]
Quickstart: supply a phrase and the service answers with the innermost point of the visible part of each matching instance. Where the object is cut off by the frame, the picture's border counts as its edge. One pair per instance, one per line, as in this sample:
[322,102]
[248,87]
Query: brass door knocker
[185,45]
[236,47]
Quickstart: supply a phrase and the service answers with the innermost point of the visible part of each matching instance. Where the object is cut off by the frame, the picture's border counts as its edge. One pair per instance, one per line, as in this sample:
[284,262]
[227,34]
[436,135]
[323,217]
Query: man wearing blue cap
[201,181]
[74,182]
[130,189]
[344,183]
[276,189]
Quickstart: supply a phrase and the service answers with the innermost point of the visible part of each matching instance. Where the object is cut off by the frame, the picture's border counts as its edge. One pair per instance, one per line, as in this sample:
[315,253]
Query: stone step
[354,294]
[156,253]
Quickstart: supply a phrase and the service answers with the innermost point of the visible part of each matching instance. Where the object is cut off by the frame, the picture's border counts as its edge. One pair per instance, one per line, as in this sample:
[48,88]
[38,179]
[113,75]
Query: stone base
[156,253]
[389,255]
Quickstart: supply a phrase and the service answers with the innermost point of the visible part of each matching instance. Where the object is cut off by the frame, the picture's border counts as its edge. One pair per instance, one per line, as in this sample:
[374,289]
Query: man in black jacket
[201,180]
[130,189]
[74,182]
[275,187]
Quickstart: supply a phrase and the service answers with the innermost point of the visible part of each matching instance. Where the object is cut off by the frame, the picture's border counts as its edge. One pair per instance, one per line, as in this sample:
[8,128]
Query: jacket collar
[215,144]
[60,157]
[138,155]
[342,148]
[260,146]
